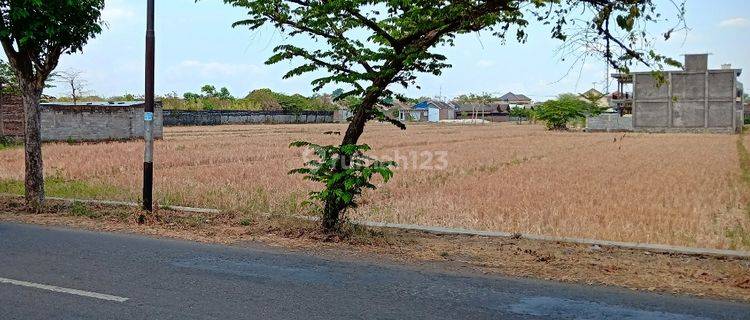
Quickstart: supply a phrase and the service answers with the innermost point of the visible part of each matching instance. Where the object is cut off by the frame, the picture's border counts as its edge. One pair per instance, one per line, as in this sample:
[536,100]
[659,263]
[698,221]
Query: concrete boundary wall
[609,122]
[97,122]
[222,117]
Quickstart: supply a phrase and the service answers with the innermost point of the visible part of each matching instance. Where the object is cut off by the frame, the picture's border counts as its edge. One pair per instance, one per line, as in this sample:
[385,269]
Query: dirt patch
[727,278]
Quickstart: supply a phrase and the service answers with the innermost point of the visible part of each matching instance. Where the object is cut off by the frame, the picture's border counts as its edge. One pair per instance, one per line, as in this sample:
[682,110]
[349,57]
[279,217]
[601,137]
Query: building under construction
[695,99]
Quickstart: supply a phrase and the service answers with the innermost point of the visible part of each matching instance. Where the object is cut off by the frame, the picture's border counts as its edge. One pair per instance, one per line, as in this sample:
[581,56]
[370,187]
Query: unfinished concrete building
[695,99]
[85,121]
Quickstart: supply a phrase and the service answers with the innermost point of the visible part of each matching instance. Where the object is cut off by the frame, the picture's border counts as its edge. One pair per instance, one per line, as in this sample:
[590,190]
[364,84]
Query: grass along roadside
[737,233]
[9,143]
[634,269]
[57,186]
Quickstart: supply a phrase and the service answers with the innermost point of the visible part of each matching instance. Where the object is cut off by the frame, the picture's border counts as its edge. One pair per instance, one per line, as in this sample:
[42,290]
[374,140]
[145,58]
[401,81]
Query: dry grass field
[681,189]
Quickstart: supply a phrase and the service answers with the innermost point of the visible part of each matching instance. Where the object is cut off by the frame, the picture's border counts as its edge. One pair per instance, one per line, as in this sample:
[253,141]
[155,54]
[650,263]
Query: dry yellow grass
[681,189]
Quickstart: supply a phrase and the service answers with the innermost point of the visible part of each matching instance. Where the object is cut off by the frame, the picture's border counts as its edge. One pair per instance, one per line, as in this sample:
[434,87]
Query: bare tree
[75,83]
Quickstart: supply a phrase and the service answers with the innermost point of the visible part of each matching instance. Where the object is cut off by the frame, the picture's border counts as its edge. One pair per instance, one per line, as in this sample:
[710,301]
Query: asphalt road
[55,273]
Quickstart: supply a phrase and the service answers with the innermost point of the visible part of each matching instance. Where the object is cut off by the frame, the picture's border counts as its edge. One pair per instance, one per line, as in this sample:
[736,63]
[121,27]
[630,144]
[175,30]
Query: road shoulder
[697,275]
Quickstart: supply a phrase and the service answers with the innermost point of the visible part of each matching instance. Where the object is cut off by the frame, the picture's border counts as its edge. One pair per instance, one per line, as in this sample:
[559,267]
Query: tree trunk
[34,179]
[333,207]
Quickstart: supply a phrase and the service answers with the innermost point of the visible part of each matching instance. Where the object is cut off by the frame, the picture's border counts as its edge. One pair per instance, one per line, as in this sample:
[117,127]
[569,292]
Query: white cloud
[212,69]
[116,11]
[735,23]
[485,63]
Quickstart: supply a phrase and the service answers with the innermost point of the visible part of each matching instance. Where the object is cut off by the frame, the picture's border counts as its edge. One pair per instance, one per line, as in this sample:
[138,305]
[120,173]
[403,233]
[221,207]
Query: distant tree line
[211,98]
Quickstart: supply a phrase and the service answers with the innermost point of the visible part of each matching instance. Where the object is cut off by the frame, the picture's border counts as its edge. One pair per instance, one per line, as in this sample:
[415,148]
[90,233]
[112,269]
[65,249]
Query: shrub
[520,113]
[567,107]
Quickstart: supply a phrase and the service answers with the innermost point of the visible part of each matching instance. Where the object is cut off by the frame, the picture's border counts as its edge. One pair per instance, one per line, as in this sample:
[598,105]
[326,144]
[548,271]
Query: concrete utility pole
[148,114]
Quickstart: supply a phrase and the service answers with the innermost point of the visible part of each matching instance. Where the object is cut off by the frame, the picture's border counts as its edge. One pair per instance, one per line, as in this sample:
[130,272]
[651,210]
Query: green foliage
[35,33]
[9,143]
[8,79]
[567,107]
[367,46]
[208,99]
[265,98]
[80,209]
[260,99]
[520,113]
[342,182]
[482,98]
[58,186]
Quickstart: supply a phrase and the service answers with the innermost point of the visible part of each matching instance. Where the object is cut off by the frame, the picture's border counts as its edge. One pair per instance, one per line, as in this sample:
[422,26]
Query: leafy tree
[10,82]
[34,34]
[191,96]
[266,98]
[8,79]
[520,113]
[224,94]
[370,45]
[473,98]
[208,90]
[568,107]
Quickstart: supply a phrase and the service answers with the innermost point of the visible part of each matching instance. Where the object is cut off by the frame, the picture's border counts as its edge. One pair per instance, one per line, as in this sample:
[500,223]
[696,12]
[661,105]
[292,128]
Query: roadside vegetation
[58,186]
[558,113]
[526,179]
[707,276]
[739,230]
[9,143]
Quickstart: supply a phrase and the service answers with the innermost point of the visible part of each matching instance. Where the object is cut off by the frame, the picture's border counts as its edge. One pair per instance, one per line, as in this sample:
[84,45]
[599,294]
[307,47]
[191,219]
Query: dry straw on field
[682,189]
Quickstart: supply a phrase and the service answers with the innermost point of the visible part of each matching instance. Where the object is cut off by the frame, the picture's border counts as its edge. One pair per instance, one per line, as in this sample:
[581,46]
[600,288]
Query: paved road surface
[53,273]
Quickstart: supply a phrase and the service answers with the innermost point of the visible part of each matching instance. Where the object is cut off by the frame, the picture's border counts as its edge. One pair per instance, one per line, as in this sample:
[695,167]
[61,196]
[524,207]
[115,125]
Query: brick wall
[85,122]
[11,116]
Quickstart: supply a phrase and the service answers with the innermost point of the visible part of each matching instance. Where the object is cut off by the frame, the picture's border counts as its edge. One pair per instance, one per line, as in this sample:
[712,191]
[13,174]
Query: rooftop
[510,96]
[426,104]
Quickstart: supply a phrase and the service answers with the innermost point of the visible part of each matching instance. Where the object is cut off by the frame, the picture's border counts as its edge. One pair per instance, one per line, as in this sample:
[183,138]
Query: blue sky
[196,45]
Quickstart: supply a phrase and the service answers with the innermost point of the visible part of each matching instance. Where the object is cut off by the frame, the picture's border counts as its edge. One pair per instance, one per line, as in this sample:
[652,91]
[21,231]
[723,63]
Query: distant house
[596,97]
[411,114]
[428,110]
[516,99]
[495,112]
